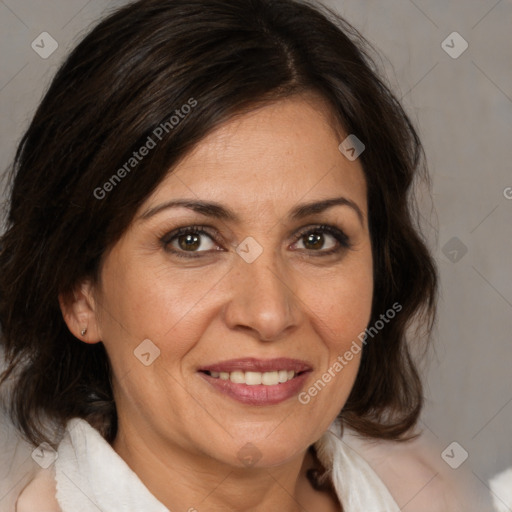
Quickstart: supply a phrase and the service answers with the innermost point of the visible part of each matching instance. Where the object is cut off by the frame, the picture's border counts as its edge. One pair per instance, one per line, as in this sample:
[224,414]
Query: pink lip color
[258,394]
[251,364]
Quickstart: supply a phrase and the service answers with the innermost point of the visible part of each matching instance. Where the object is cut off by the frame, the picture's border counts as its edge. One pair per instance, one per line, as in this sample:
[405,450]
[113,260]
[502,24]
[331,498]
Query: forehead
[272,157]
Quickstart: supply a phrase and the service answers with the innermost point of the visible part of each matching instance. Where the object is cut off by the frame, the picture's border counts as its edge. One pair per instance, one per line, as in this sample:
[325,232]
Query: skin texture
[179,434]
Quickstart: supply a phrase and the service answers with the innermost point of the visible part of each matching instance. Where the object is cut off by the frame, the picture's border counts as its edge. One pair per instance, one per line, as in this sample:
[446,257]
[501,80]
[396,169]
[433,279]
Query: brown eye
[314,241]
[188,240]
[323,240]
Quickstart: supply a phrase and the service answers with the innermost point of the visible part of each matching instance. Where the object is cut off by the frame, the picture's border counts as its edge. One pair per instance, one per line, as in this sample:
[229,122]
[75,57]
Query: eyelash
[342,239]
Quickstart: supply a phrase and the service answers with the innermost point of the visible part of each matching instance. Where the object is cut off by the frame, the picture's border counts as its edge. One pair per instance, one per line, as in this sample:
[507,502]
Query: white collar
[357,485]
[92,477]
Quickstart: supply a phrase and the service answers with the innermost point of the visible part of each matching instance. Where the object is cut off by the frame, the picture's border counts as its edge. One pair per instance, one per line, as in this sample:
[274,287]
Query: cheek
[340,308]
[148,302]
[172,310]
[339,325]
[349,315]
[342,303]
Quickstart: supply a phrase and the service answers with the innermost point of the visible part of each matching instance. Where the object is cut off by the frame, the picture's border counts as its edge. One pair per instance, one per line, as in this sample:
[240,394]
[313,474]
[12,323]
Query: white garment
[92,477]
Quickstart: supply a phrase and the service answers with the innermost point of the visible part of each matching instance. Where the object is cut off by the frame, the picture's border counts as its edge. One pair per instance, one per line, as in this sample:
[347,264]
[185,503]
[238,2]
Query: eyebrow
[218,211]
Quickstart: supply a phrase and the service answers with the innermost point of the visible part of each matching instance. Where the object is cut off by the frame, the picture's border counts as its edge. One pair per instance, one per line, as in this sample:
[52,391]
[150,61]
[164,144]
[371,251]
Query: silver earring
[83,332]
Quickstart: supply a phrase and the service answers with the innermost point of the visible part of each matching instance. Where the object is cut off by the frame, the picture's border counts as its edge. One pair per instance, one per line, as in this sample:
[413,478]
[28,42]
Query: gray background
[463,110]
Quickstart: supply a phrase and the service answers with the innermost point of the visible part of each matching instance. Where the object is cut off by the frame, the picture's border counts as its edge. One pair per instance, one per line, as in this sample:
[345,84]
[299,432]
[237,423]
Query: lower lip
[258,394]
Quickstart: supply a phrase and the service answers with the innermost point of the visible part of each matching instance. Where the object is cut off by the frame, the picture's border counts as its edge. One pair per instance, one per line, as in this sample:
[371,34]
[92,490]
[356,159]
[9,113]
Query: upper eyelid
[198,228]
[320,227]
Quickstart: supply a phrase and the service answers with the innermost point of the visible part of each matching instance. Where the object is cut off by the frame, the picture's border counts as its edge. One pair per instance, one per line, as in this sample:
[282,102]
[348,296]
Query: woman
[209,268]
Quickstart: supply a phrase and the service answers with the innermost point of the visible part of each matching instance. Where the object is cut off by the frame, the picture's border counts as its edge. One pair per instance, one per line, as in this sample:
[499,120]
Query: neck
[191,482]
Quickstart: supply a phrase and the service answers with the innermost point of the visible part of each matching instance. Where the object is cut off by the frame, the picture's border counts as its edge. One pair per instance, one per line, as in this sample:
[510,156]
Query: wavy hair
[128,76]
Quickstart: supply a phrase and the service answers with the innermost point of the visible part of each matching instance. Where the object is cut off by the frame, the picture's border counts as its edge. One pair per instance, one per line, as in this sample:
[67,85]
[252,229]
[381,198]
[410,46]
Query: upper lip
[251,364]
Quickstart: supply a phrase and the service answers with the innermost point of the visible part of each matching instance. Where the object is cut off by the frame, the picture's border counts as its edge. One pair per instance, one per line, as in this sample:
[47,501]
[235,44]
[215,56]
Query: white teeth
[270,378]
[237,377]
[256,378]
[253,378]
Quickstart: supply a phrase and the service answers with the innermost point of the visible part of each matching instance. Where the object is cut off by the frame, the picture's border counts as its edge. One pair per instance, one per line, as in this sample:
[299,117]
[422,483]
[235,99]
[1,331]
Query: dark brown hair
[127,77]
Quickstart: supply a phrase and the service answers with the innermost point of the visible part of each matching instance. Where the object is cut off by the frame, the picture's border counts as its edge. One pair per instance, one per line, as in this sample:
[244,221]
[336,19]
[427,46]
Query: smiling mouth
[272,378]
[257,381]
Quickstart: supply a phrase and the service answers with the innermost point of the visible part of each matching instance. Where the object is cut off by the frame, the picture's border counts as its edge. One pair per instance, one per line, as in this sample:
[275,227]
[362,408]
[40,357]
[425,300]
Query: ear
[79,310]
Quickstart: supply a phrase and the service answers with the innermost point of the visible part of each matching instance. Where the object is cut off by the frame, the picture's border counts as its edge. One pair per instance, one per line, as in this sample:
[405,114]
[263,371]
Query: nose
[262,300]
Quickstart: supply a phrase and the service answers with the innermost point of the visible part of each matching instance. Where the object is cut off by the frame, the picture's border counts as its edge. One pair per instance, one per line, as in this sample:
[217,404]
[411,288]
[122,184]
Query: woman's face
[250,290]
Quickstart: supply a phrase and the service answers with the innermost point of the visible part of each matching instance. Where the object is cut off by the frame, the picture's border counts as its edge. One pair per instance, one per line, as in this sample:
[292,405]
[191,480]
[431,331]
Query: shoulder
[39,494]
[415,474]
